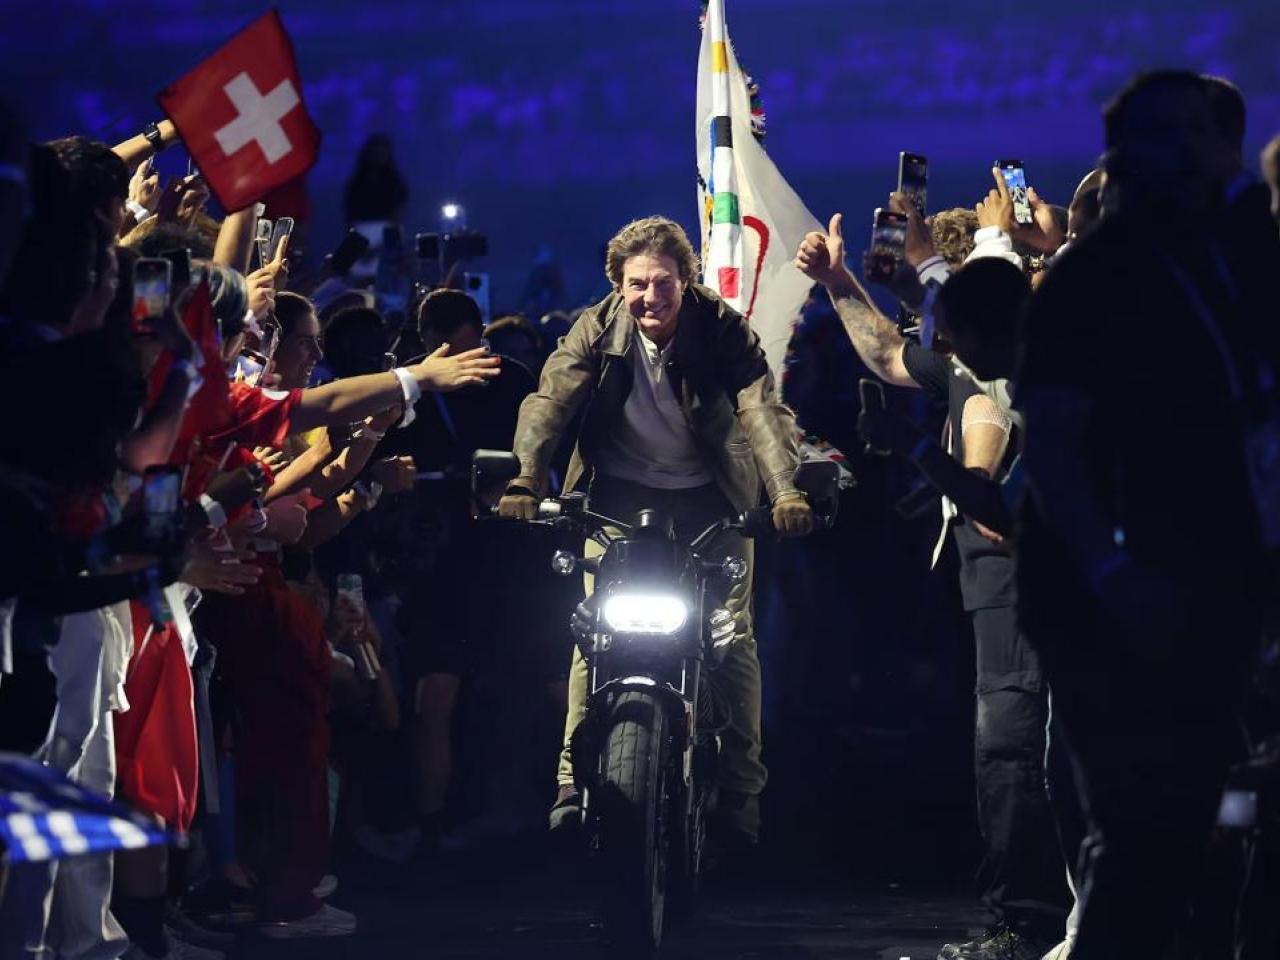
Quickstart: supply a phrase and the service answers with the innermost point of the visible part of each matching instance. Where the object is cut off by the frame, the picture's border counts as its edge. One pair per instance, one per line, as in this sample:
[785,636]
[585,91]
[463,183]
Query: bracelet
[367,432]
[139,212]
[410,390]
[152,133]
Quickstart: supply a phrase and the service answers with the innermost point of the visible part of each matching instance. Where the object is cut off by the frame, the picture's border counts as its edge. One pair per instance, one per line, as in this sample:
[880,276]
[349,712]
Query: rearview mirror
[492,467]
[819,481]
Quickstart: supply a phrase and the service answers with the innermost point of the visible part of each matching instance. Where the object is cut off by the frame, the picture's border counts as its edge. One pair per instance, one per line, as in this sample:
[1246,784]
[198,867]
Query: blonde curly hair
[652,235]
[952,232]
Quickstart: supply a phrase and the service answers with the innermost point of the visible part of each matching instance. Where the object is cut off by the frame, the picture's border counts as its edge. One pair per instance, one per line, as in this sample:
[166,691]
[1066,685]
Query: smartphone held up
[1014,175]
[161,504]
[888,245]
[152,279]
[913,178]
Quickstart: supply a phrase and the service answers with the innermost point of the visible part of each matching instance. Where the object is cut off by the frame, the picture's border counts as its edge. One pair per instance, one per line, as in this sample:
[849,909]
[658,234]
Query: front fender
[589,736]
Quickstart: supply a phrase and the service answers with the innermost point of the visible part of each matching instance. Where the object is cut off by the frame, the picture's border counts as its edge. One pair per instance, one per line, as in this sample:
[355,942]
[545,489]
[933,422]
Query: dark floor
[542,909]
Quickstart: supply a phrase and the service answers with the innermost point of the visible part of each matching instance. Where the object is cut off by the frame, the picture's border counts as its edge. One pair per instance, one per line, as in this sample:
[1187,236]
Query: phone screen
[888,243]
[283,228]
[913,178]
[161,496]
[151,281]
[1015,178]
[262,240]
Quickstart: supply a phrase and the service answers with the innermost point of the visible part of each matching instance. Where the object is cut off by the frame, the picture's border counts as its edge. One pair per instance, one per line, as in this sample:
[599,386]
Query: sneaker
[1001,944]
[179,926]
[326,922]
[952,951]
[567,811]
[326,887]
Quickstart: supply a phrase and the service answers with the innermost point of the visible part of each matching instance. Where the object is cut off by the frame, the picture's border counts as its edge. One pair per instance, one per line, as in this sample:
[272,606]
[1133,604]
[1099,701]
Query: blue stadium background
[554,121]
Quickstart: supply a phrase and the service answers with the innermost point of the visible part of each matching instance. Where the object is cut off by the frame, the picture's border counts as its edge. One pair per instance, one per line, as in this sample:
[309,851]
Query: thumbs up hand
[821,255]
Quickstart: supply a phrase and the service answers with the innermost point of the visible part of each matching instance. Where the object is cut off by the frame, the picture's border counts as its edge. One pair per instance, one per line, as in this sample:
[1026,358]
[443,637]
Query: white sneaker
[326,922]
[325,888]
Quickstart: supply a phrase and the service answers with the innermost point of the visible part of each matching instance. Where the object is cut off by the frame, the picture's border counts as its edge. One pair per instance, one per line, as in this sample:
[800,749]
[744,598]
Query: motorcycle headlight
[655,614]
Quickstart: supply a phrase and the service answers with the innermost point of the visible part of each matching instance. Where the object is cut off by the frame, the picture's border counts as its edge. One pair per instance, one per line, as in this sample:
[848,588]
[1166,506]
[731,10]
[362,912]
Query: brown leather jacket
[718,371]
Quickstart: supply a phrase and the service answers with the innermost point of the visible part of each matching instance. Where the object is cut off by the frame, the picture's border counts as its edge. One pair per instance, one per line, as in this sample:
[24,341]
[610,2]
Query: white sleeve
[993,242]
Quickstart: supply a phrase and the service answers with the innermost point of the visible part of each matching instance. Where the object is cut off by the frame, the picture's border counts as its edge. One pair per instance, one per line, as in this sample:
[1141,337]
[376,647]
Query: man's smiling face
[652,290]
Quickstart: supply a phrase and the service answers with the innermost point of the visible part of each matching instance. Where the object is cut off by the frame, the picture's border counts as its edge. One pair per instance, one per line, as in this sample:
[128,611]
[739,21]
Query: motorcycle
[652,631]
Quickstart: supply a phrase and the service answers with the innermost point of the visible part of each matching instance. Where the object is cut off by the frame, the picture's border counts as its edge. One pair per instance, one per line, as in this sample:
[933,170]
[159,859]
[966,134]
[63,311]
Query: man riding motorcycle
[679,413]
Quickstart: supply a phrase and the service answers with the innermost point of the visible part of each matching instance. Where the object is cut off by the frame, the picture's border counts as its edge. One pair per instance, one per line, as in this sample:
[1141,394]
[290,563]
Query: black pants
[1151,737]
[1023,877]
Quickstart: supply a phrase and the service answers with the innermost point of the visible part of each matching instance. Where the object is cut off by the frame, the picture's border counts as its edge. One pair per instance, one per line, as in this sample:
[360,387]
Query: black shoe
[566,813]
[997,944]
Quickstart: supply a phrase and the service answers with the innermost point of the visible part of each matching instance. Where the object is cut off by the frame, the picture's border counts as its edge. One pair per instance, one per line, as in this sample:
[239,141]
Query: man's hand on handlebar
[792,515]
[518,503]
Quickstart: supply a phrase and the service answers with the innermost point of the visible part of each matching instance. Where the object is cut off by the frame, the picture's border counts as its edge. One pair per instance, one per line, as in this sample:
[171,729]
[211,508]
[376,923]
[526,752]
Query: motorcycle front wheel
[632,824]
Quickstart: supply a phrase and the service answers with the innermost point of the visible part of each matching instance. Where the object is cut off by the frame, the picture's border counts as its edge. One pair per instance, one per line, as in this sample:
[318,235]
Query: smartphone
[282,228]
[266,352]
[913,178]
[871,393]
[353,246]
[262,240]
[161,502]
[180,277]
[152,279]
[888,244]
[1015,178]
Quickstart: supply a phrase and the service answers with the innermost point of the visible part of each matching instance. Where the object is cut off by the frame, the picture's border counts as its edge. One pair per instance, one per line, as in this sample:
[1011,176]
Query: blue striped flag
[44,816]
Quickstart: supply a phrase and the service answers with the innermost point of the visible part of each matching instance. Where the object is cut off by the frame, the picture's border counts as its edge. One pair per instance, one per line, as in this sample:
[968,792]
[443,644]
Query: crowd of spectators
[242,583]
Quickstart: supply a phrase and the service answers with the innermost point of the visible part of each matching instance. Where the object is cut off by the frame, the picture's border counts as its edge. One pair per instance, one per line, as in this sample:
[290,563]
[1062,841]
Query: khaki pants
[738,677]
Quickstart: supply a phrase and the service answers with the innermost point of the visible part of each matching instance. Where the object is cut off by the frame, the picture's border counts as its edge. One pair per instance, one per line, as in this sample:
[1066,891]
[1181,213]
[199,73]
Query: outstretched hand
[442,373]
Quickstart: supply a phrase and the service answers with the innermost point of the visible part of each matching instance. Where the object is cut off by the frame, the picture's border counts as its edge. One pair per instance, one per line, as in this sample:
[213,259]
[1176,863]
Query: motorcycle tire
[631,820]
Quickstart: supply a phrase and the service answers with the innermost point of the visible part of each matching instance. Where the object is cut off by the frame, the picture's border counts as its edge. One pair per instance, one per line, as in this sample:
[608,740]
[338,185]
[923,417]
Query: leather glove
[518,505]
[792,515]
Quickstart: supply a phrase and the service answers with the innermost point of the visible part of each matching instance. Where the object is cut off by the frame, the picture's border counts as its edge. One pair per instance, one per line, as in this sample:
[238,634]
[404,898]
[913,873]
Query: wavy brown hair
[651,235]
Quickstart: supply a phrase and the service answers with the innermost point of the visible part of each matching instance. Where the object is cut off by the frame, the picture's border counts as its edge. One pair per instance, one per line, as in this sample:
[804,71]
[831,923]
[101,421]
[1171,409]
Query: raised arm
[234,246]
[874,336]
[354,398]
[138,148]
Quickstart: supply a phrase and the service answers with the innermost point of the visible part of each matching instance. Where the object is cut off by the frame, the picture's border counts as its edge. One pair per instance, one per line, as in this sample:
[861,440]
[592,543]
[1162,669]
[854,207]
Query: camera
[452,247]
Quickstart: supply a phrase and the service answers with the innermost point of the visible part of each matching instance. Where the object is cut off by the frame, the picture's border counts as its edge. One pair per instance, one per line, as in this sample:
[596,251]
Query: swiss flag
[240,114]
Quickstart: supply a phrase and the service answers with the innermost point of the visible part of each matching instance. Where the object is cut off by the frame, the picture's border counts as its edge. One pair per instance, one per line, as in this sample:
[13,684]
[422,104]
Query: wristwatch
[152,133]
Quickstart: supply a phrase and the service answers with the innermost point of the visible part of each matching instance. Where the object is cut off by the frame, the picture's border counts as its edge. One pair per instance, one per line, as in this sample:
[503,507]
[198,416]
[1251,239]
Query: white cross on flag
[240,114]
